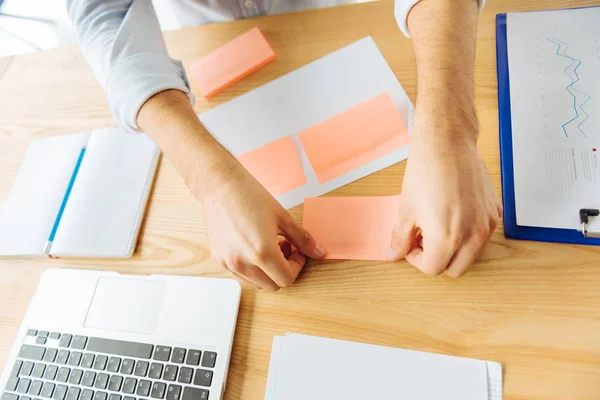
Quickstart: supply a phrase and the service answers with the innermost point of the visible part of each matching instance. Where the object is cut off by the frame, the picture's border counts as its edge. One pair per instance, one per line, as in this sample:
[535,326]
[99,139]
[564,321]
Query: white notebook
[305,97]
[323,369]
[79,195]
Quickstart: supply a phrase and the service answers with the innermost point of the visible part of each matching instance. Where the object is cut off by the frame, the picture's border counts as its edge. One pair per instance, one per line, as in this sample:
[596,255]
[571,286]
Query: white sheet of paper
[554,65]
[305,97]
[322,369]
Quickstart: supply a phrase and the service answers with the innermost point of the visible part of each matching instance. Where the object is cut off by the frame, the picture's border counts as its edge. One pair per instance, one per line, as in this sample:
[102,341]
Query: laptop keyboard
[72,367]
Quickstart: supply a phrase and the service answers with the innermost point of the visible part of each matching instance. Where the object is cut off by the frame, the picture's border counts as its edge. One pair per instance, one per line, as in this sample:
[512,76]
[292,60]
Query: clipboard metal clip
[584,219]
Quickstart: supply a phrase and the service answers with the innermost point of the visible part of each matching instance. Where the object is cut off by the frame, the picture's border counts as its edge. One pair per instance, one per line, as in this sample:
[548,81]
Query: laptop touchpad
[126,305]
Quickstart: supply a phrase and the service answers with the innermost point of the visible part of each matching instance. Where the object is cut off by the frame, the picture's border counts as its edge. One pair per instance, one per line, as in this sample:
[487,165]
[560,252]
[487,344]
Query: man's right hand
[251,234]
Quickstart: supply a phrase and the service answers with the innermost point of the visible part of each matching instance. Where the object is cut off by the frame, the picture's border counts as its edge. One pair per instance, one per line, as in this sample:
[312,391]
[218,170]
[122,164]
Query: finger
[285,247]
[465,257]
[281,270]
[235,275]
[434,256]
[253,274]
[301,239]
[403,238]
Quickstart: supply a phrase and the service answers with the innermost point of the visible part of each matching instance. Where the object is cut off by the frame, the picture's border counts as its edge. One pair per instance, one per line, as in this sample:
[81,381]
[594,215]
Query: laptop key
[43,334]
[209,359]
[50,373]
[120,348]
[75,378]
[50,355]
[129,385]
[170,373]
[88,378]
[173,392]
[30,352]
[10,396]
[47,390]
[36,388]
[100,396]
[162,353]
[65,340]
[114,397]
[144,388]
[16,368]
[87,360]
[73,393]
[55,335]
[127,366]
[203,377]
[141,368]
[192,393]
[27,368]
[60,393]
[31,332]
[79,342]
[23,386]
[12,384]
[115,383]
[178,355]
[63,374]
[40,340]
[75,358]
[100,363]
[193,357]
[62,357]
[185,375]
[113,364]
[101,381]
[38,370]
[155,371]
[158,390]
[87,394]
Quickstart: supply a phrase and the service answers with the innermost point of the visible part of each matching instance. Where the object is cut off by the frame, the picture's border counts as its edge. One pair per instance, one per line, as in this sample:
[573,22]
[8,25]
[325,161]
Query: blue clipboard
[511,229]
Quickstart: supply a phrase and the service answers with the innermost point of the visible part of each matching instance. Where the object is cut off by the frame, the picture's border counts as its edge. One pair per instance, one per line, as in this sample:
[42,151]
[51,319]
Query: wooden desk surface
[533,307]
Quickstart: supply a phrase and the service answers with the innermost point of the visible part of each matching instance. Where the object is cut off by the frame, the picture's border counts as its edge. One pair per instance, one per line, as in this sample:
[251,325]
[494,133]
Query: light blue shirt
[123,43]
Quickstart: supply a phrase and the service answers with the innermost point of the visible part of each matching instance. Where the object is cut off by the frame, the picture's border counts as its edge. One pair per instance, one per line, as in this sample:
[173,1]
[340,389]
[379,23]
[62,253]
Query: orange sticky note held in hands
[352,228]
[276,166]
[232,62]
[354,137]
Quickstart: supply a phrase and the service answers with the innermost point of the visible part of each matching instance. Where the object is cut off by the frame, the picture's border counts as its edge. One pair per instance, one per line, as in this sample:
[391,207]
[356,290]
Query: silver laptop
[91,335]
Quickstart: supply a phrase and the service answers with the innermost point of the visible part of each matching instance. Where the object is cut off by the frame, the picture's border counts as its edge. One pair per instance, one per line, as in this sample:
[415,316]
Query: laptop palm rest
[126,305]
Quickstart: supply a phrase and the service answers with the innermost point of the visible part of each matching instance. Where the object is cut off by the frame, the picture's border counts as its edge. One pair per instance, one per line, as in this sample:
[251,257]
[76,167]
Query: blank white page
[305,97]
[29,213]
[104,211]
[325,369]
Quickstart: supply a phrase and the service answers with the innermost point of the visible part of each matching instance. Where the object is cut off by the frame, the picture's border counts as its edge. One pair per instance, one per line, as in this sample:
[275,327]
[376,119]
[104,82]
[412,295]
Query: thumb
[301,239]
[403,237]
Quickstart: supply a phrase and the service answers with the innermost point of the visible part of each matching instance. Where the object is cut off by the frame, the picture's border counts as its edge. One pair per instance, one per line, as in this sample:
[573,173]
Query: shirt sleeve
[403,7]
[123,43]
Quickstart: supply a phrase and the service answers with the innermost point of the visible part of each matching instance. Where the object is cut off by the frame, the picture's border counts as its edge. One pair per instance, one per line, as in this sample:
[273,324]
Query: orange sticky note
[354,137]
[232,62]
[352,228]
[276,166]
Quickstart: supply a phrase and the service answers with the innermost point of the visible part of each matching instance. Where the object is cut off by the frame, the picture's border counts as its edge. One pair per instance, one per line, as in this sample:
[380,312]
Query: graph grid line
[561,51]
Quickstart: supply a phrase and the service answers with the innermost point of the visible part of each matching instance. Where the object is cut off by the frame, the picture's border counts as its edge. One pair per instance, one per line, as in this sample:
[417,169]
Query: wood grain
[534,307]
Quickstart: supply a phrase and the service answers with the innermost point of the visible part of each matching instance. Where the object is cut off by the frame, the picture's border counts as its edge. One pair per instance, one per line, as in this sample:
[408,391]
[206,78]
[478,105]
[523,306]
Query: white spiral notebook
[79,195]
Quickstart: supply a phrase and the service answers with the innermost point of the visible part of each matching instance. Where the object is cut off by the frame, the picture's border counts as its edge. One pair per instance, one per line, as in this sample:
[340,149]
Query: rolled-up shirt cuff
[402,9]
[137,78]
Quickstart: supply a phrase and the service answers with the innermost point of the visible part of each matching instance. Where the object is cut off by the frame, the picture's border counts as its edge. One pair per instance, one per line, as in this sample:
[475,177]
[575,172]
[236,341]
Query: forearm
[444,34]
[169,119]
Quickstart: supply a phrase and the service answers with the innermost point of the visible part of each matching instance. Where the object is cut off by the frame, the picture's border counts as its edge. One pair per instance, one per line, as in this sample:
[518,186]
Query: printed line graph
[579,97]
